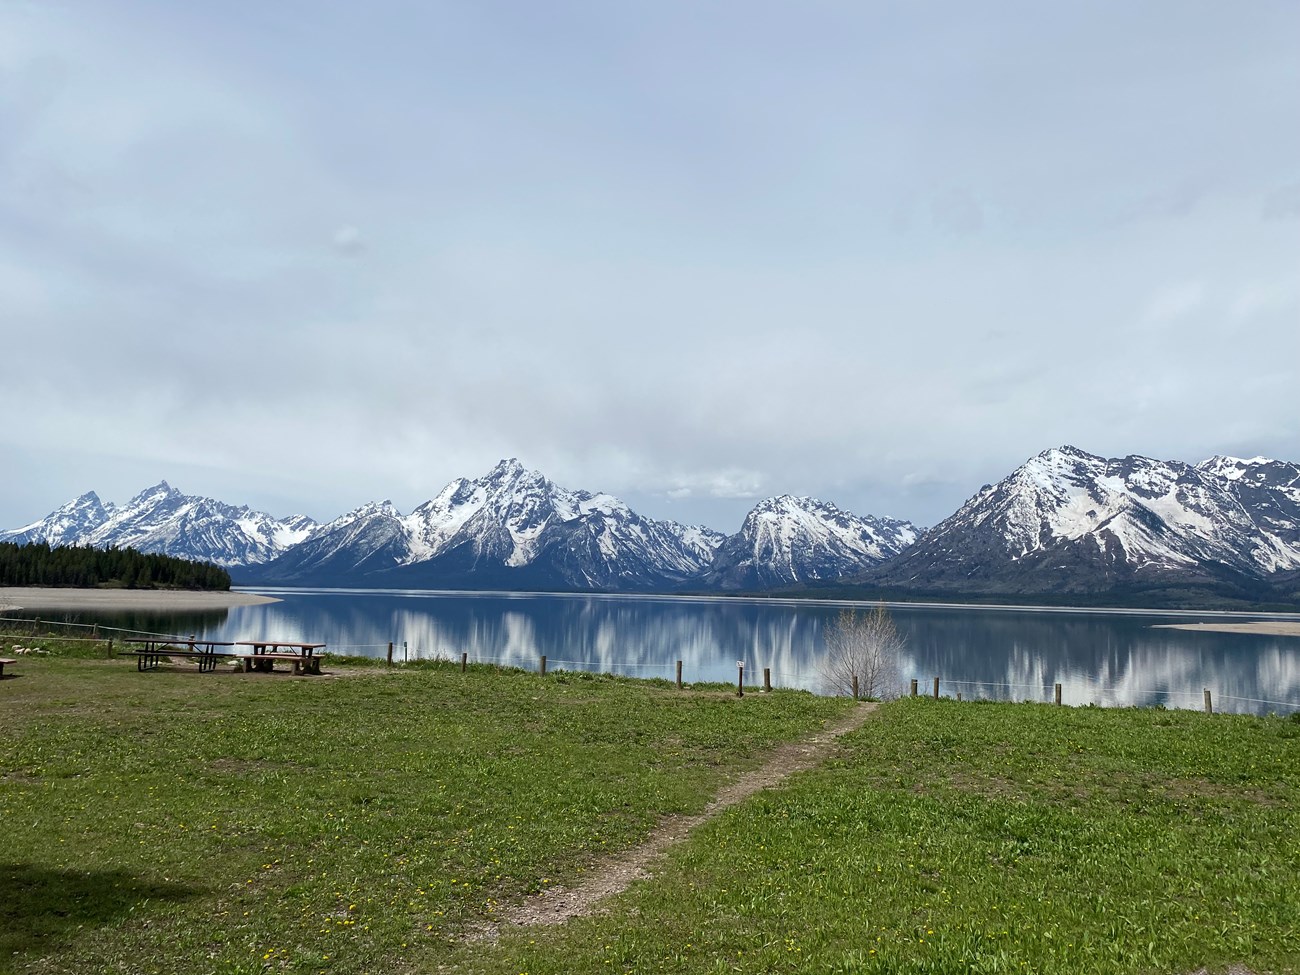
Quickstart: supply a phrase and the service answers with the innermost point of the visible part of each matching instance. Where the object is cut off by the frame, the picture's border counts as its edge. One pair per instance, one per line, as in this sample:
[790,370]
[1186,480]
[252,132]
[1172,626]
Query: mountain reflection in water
[1112,659]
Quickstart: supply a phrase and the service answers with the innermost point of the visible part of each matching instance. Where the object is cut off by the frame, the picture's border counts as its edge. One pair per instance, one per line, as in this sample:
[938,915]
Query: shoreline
[1259,628]
[35,598]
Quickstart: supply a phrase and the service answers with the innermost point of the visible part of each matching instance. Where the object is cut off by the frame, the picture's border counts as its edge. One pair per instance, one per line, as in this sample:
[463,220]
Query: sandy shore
[34,599]
[1260,628]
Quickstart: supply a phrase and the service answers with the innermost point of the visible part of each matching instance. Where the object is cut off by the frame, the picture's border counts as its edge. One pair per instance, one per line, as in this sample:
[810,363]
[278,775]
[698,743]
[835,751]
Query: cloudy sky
[304,255]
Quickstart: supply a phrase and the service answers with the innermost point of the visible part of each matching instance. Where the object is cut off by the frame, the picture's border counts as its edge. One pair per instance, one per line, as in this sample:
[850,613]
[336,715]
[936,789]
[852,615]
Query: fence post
[913,687]
[959,696]
[464,661]
[936,688]
[767,680]
[1058,693]
[679,675]
[855,687]
[390,653]
[110,648]
[1209,706]
[543,665]
[740,678]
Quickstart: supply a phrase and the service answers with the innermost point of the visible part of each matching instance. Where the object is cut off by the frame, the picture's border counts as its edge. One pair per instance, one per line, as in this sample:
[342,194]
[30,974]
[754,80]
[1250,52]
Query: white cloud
[347,241]
[1171,304]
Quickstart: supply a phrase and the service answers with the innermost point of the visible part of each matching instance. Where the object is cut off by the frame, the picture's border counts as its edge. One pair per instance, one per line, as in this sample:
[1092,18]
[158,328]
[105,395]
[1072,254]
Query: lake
[1110,658]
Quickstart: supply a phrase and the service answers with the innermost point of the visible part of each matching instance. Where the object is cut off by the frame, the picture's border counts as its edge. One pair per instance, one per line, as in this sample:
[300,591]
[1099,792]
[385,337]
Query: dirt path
[613,876]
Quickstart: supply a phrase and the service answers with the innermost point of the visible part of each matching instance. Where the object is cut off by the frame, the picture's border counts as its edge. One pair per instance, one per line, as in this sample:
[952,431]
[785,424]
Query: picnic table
[156,649]
[266,652]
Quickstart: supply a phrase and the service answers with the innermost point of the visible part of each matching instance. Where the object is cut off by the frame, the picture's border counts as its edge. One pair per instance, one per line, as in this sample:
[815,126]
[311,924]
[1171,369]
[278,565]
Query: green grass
[186,822]
[982,838]
[177,822]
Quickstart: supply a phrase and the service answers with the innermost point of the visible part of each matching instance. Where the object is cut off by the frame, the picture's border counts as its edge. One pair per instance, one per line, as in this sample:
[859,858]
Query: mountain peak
[1067,521]
[1067,453]
[792,539]
[158,492]
[1222,465]
[507,468]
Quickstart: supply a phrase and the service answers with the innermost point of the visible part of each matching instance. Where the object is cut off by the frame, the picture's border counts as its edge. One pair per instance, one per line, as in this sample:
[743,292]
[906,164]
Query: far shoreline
[1258,628]
[37,598]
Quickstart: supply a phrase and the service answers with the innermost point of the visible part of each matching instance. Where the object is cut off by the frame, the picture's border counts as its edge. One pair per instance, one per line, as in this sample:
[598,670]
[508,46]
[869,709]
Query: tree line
[38,564]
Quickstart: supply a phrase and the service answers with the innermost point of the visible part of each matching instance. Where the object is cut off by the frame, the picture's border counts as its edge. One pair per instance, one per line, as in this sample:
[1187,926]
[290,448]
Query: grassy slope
[172,822]
[980,838]
[183,822]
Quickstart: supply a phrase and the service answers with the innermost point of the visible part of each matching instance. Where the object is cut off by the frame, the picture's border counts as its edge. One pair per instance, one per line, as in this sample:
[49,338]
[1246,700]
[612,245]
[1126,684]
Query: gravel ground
[35,599]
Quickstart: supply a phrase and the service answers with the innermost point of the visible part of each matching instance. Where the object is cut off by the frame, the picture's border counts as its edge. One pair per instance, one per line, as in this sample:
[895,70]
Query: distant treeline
[84,567]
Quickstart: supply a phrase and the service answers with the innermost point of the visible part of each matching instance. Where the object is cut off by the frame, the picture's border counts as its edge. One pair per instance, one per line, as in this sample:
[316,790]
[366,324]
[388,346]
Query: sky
[303,255]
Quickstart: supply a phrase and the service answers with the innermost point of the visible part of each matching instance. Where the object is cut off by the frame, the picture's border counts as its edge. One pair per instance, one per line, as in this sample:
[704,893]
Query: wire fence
[1077,690]
[93,628]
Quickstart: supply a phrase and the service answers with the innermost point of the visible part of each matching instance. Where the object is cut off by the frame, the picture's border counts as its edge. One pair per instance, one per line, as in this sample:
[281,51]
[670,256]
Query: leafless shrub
[867,646]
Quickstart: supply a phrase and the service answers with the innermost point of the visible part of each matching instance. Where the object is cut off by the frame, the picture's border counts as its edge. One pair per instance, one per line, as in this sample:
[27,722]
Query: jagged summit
[788,540]
[163,519]
[1065,521]
[513,528]
[1071,521]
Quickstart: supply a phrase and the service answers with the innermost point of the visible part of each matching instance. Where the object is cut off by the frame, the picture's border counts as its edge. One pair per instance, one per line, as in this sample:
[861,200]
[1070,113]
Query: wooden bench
[266,652]
[3,661]
[265,662]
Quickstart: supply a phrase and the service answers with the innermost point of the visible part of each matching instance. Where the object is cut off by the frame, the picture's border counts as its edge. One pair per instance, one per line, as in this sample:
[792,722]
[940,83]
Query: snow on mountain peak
[1232,468]
[790,539]
[1068,515]
[164,520]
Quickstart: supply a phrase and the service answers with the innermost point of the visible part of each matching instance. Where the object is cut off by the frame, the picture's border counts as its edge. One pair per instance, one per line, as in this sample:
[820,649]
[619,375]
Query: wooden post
[390,653]
[679,675]
[936,688]
[740,678]
[959,695]
[914,687]
[855,687]
[464,661]
[94,632]
[767,680]
[1209,706]
[543,665]
[1058,693]
[110,648]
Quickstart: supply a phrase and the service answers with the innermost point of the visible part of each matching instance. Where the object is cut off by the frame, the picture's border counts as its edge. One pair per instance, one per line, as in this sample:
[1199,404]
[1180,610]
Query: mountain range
[1066,524]
[1069,523]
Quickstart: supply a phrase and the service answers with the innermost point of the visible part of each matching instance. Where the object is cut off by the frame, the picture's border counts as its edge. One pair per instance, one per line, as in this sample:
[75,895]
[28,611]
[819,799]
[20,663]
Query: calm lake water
[1107,658]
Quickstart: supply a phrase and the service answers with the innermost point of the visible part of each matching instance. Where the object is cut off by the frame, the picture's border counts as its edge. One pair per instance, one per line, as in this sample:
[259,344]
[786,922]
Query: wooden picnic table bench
[3,661]
[158,649]
[266,652]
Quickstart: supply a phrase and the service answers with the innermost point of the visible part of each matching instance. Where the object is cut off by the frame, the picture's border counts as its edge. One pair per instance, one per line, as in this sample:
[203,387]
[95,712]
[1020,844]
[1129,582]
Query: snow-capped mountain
[163,520]
[1066,522]
[789,540]
[1069,521]
[511,528]
[66,525]
[1270,491]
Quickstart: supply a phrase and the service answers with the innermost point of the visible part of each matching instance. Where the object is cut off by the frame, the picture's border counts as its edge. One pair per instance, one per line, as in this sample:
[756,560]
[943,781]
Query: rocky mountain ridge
[163,520]
[512,529]
[787,540]
[1065,524]
[1072,522]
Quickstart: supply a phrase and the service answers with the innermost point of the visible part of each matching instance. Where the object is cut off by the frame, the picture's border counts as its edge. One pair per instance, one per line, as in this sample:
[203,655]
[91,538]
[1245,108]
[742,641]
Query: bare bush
[864,645]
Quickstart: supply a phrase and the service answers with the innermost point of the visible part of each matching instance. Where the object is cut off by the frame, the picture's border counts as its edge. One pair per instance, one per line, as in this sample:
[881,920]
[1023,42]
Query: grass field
[186,822]
[177,822]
